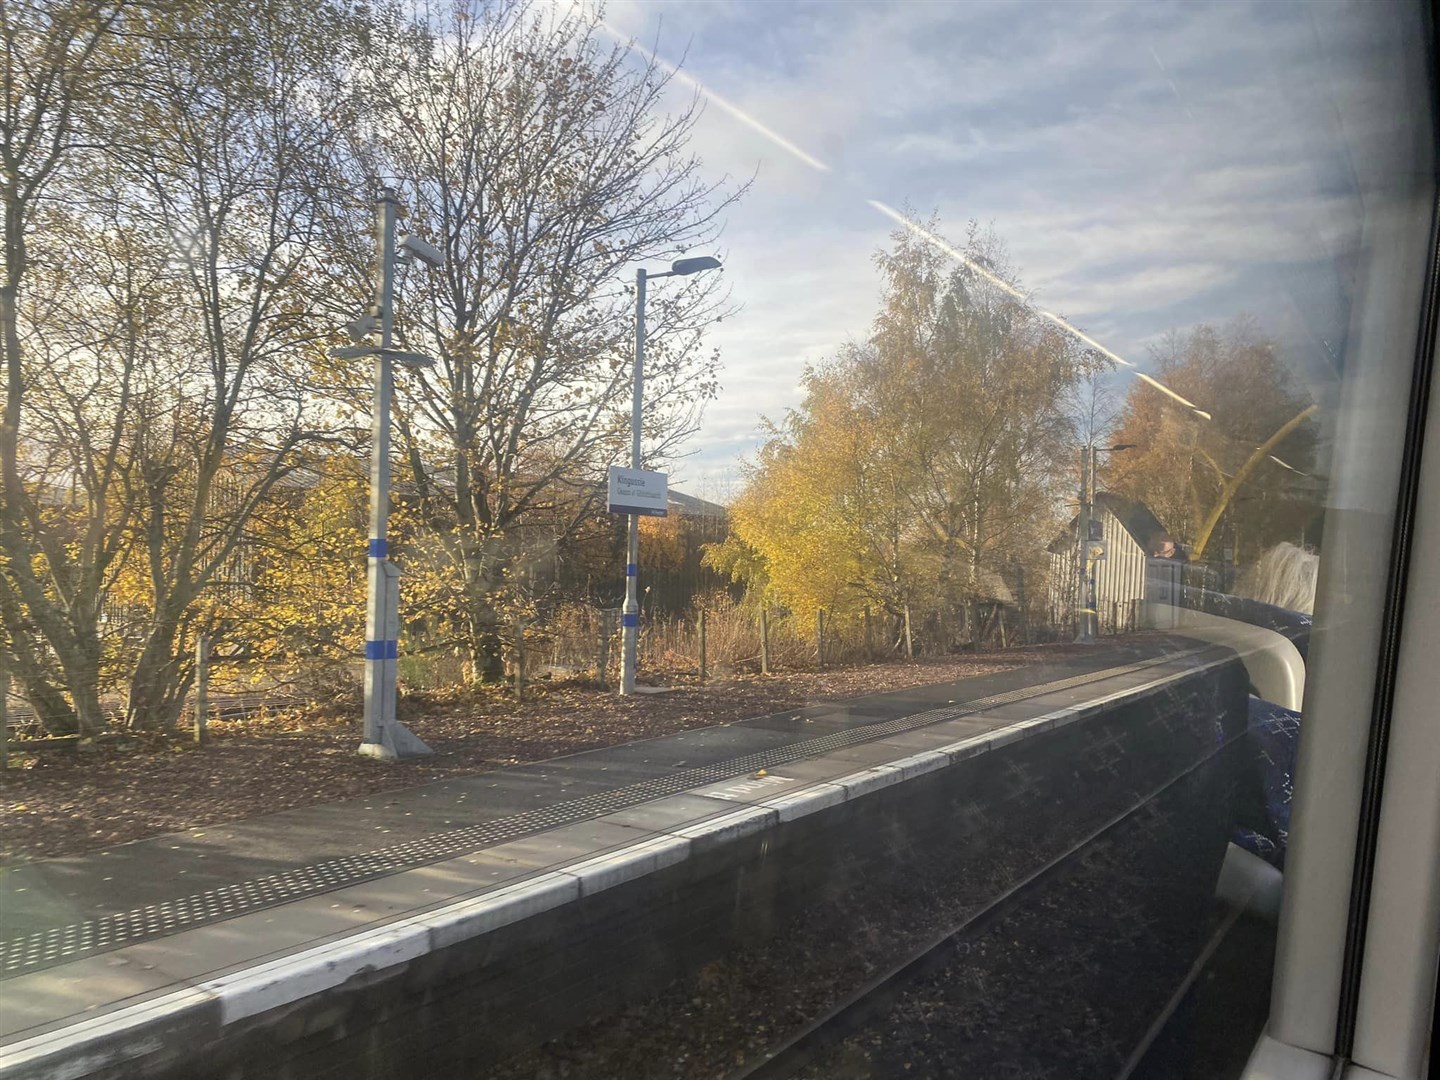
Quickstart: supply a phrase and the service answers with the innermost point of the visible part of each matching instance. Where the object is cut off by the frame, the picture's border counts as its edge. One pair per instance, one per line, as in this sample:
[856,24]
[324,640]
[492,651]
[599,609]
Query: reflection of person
[1165,547]
[1284,576]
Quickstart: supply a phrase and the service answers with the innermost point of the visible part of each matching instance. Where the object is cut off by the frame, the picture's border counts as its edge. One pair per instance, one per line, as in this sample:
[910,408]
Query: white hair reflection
[1284,576]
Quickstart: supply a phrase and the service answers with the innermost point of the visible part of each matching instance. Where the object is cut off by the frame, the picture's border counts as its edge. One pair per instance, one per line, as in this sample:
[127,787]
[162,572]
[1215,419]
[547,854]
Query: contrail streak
[724,105]
[890,212]
[1050,316]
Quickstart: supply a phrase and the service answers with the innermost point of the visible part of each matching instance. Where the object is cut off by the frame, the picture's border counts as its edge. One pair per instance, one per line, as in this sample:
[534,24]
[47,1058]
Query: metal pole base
[628,661]
[397,743]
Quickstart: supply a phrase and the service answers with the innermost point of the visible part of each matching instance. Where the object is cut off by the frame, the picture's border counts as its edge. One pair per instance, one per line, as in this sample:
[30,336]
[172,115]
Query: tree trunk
[519,660]
[82,679]
[487,649]
[51,709]
[55,714]
[161,680]
[78,657]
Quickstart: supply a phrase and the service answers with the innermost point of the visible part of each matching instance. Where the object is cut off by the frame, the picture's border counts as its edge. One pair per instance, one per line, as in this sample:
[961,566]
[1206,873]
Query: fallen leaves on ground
[64,802]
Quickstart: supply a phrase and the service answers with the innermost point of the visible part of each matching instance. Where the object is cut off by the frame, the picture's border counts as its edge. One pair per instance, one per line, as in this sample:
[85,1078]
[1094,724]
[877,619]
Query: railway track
[802,1049]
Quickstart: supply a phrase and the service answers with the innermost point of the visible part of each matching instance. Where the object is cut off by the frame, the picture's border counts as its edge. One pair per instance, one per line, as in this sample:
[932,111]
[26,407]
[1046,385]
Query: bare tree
[239,115]
[540,156]
[161,374]
[59,68]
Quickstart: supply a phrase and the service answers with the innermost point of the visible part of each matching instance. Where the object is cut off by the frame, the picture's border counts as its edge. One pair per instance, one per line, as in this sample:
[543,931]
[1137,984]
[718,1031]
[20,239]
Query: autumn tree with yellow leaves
[162,289]
[187,195]
[542,157]
[926,463]
[1195,472]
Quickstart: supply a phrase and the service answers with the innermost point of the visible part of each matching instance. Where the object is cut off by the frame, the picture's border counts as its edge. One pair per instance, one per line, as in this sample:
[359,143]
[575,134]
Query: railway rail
[800,1050]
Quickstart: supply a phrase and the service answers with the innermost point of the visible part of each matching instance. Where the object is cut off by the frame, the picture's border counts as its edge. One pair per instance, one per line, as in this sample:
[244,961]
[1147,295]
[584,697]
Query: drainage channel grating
[45,948]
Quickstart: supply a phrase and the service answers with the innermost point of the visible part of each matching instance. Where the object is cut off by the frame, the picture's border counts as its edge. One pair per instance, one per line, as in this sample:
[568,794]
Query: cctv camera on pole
[412,247]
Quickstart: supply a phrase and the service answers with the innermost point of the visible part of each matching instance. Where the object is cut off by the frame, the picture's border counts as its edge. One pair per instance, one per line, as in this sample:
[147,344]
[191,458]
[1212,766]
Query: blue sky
[1150,166]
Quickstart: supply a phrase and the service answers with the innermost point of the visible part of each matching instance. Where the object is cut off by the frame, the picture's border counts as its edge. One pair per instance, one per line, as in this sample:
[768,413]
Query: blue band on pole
[378,548]
[382,650]
[629,620]
[631,569]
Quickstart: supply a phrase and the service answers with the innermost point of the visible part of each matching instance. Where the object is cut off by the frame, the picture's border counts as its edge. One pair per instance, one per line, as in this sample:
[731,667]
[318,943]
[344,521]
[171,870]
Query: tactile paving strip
[45,948]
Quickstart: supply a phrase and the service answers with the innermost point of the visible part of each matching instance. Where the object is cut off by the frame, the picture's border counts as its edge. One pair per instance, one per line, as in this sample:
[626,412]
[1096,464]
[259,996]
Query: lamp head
[684,267]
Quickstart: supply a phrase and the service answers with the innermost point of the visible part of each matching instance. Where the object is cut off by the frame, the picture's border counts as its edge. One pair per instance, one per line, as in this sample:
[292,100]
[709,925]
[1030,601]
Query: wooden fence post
[702,644]
[764,641]
[820,637]
[1024,611]
[202,687]
[869,637]
[602,652]
[4,718]
[519,660]
[909,640]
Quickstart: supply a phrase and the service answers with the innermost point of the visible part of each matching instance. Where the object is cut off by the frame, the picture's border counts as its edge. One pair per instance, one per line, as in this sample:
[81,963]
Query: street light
[1085,614]
[630,614]
[385,737]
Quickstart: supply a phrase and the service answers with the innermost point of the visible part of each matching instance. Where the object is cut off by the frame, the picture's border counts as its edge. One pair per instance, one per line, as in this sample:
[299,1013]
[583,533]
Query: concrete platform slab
[675,811]
[247,939]
[46,997]
[567,844]
[808,798]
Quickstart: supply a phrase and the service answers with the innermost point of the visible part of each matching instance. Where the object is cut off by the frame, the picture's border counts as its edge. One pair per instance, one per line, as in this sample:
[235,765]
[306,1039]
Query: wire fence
[717,635]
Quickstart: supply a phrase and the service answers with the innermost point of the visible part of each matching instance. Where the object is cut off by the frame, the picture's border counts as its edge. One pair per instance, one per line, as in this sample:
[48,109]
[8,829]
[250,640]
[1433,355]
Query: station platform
[103,956]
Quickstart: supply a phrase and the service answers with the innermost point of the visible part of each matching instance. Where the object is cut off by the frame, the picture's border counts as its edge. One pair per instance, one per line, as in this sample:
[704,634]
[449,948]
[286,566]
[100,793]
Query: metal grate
[45,948]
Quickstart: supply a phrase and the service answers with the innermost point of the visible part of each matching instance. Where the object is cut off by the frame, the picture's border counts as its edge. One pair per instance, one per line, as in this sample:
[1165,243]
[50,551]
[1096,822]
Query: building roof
[691,506]
[992,587]
[1134,517]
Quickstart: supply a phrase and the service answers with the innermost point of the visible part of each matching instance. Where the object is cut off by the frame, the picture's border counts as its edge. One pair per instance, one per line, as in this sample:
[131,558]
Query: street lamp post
[385,737]
[630,614]
[1086,617]
[1084,609]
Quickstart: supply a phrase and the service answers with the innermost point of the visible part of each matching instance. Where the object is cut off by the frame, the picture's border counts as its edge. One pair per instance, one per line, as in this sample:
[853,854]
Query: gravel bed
[1066,984]
[1031,999]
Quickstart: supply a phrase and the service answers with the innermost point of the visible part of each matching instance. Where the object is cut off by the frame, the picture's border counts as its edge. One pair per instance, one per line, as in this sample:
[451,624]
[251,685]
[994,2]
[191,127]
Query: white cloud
[1149,166]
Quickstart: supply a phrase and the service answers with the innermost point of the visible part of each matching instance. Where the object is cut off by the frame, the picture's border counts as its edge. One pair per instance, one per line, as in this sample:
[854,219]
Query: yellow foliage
[923,462]
[818,511]
[662,542]
[309,594]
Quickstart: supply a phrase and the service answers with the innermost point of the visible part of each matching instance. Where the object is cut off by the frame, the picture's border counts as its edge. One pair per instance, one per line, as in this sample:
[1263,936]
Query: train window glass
[846,535]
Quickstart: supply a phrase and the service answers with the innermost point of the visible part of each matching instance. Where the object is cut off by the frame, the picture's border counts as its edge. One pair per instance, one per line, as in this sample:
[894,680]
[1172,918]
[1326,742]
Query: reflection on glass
[1046,419]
